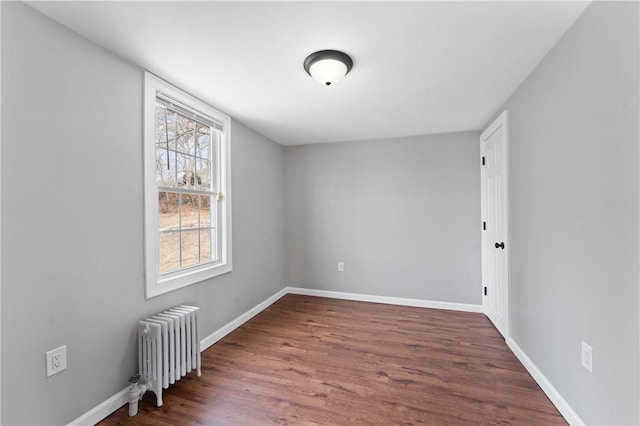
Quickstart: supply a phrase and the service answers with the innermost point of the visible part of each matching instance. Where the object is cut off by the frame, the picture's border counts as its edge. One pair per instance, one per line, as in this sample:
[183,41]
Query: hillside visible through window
[184,149]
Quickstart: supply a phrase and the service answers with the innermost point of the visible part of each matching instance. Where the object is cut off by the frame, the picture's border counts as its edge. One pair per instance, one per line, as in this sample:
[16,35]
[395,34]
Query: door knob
[500,245]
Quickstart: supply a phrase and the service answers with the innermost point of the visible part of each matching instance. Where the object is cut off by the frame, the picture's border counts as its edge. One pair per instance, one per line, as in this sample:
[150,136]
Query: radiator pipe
[136,391]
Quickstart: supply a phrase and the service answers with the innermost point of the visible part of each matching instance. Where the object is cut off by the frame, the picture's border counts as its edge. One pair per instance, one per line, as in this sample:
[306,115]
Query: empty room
[319,212]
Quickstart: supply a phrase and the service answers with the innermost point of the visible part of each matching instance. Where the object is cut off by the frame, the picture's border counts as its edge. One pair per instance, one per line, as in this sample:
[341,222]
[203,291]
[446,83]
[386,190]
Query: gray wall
[573,134]
[72,221]
[403,214]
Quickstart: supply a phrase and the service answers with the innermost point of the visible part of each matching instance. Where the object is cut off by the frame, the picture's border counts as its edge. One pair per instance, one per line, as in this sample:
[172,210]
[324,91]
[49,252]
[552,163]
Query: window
[187,189]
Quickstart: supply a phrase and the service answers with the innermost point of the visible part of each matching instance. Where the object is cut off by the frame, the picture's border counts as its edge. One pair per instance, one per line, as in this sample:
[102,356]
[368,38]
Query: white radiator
[168,347]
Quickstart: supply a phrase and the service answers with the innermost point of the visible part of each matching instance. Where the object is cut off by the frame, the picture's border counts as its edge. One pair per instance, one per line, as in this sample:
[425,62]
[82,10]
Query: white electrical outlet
[340,266]
[56,360]
[587,357]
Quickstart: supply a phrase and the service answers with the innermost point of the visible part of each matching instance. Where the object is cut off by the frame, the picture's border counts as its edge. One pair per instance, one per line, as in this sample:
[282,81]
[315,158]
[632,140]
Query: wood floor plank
[318,361]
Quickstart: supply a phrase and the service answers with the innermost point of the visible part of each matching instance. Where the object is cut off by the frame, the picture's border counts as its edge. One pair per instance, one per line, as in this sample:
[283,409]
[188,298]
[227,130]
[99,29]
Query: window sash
[211,225]
[169,103]
[179,251]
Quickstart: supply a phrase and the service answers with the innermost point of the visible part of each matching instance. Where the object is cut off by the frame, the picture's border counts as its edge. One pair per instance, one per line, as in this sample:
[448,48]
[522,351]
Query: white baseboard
[101,411]
[386,299]
[112,404]
[232,325]
[561,404]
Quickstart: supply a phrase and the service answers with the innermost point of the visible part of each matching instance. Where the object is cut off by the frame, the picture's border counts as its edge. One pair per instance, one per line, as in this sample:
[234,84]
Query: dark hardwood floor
[311,360]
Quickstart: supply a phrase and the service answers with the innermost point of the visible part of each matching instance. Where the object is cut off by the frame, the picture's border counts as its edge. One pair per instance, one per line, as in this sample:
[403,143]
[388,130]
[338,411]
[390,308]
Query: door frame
[500,120]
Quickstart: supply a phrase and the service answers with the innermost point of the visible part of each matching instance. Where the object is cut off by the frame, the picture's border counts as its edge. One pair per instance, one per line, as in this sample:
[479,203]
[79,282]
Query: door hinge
[485,291]
[484,226]
[483,161]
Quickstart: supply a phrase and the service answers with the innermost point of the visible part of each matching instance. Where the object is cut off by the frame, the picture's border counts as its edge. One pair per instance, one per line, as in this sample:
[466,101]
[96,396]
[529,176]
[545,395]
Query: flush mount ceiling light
[328,67]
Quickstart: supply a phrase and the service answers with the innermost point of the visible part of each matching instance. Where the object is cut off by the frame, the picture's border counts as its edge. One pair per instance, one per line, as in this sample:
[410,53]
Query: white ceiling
[419,67]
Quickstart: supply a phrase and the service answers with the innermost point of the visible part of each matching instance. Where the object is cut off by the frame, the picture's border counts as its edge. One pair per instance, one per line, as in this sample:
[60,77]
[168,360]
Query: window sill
[185,278]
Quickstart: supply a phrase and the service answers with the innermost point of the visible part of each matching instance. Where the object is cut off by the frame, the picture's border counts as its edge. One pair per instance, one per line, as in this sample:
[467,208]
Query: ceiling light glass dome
[328,67]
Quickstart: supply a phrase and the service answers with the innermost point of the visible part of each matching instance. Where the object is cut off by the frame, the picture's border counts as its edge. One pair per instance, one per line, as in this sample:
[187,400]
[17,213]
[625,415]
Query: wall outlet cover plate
[56,360]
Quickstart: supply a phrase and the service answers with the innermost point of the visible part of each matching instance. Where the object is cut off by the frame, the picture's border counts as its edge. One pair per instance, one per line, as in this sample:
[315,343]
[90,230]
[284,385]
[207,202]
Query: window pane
[165,127]
[205,245]
[172,119]
[165,167]
[165,124]
[168,211]
[203,172]
[190,211]
[204,141]
[186,171]
[186,141]
[172,173]
[205,211]
[161,130]
[169,251]
[190,248]
[161,164]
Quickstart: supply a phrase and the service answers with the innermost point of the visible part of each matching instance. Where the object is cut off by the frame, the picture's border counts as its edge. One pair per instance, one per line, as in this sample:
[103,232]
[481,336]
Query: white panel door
[495,246]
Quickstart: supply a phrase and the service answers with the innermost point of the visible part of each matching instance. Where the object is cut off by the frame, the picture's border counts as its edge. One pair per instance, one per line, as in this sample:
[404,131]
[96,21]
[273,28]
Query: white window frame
[156,283]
